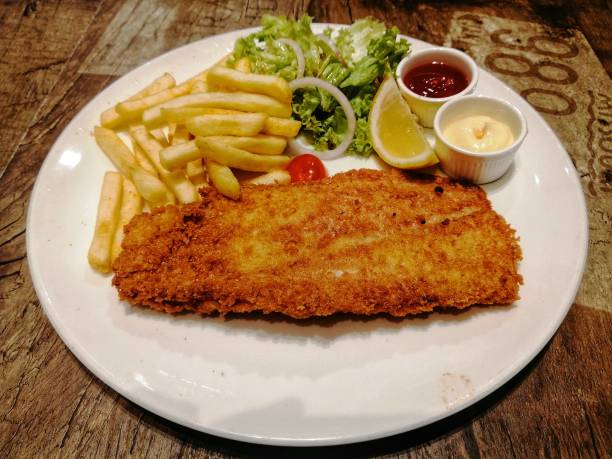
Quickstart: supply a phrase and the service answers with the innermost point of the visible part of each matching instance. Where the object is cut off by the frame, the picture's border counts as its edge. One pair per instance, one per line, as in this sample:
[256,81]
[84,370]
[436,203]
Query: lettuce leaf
[366,51]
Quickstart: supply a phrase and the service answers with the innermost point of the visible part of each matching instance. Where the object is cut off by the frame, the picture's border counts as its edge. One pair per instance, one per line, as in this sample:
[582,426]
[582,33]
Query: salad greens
[354,59]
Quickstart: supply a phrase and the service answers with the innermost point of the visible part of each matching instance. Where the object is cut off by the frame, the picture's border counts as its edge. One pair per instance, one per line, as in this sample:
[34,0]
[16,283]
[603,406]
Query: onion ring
[296,146]
[299,54]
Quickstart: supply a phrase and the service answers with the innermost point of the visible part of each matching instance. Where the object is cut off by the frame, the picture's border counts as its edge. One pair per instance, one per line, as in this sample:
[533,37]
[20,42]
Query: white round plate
[281,382]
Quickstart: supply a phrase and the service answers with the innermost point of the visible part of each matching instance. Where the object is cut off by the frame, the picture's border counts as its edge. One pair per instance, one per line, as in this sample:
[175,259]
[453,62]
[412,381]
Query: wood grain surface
[55,56]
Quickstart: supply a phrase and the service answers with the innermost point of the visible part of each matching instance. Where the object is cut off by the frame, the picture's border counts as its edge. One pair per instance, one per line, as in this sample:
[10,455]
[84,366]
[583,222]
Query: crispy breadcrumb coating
[360,242]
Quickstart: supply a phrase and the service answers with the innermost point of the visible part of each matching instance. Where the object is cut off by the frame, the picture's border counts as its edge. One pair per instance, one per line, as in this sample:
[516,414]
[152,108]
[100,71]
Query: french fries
[180,134]
[268,85]
[177,156]
[284,127]
[240,101]
[152,189]
[177,181]
[112,119]
[245,124]
[275,177]
[132,109]
[196,173]
[165,81]
[147,183]
[180,115]
[241,120]
[160,136]
[142,160]
[223,179]
[194,169]
[131,204]
[238,158]
[243,65]
[109,205]
[119,154]
[262,144]
[199,86]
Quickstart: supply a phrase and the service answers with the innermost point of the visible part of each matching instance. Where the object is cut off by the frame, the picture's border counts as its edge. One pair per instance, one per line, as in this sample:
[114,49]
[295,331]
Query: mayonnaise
[479,134]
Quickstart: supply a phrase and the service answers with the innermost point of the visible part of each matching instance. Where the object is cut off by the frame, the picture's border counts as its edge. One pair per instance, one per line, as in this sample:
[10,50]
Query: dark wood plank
[35,43]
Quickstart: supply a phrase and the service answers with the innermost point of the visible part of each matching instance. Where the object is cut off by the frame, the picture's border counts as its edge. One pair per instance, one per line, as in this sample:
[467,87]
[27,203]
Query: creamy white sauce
[479,134]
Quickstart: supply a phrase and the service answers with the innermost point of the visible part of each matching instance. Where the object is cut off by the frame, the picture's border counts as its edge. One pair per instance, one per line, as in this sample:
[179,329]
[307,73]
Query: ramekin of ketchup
[429,78]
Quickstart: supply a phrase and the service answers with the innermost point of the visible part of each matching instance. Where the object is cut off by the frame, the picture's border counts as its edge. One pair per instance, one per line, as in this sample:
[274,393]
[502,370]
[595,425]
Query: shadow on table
[432,432]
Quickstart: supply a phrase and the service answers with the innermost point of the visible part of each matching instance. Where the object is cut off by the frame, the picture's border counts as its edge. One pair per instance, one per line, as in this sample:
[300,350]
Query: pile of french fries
[185,136]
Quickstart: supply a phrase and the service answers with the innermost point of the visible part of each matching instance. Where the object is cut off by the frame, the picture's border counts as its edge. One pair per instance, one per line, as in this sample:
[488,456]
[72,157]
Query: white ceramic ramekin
[478,167]
[425,108]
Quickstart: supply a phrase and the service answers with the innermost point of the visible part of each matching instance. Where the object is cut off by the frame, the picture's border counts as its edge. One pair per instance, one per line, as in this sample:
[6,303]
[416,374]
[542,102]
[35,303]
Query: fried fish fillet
[360,242]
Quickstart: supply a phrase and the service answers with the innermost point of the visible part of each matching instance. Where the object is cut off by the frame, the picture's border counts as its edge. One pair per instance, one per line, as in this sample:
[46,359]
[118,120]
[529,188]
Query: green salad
[353,59]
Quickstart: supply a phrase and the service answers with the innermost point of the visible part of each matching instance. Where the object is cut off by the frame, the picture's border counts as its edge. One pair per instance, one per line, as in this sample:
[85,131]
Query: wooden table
[56,56]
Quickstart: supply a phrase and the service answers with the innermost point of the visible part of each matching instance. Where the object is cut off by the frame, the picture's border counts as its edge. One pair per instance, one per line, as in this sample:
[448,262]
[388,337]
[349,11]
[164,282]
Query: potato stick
[241,101]
[132,109]
[146,181]
[243,65]
[160,136]
[195,169]
[199,86]
[142,160]
[116,150]
[262,144]
[184,190]
[151,188]
[201,76]
[112,120]
[238,158]
[285,127]
[177,156]
[196,172]
[159,84]
[131,204]
[177,181]
[99,255]
[149,145]
[268,85]
[223,179]
[132,166]
[181,135]
[171,131]
[275,177]
[181,114]
[245,124]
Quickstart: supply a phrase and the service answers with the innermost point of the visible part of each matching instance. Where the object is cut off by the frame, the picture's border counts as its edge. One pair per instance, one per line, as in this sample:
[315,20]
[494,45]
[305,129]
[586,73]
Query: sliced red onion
[299,54]
[296,147]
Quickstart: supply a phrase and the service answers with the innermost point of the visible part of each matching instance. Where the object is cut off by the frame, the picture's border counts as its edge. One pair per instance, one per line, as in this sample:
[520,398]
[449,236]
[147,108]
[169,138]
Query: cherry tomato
[304,168]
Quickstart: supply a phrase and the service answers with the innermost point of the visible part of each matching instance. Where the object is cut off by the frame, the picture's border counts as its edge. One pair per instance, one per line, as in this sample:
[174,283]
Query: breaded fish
[360,242]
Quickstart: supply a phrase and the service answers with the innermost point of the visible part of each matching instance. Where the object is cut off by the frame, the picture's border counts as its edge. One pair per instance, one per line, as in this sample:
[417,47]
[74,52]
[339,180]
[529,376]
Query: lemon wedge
[394,132]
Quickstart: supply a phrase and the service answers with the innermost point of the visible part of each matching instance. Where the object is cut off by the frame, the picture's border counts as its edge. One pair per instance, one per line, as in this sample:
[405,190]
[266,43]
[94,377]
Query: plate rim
[92,365]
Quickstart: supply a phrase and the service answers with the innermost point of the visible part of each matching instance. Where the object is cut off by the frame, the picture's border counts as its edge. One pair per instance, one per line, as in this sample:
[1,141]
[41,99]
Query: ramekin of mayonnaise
[477,137]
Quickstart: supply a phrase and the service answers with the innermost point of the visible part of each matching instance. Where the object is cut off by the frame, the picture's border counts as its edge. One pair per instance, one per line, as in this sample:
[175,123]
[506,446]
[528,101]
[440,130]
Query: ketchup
[436,80]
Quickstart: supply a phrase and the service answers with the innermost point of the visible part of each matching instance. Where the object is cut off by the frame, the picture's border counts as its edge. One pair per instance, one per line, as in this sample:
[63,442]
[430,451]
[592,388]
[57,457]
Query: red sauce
[436,79]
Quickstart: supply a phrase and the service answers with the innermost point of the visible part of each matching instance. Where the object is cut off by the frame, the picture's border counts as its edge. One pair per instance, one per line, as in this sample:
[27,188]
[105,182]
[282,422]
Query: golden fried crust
[361,242]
